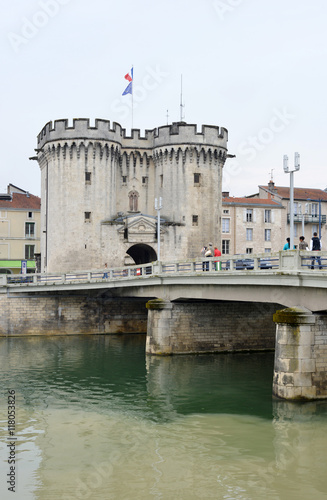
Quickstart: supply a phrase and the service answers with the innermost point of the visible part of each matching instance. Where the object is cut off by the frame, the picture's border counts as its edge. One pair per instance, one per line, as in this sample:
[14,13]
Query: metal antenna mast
[182,106]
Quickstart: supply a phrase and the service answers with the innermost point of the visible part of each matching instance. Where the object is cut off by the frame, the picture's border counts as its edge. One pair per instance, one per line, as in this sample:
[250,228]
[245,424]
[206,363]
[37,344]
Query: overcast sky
[255,67]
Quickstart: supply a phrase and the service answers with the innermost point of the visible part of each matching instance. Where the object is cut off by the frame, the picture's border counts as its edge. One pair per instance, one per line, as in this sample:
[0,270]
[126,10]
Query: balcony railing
[308,219]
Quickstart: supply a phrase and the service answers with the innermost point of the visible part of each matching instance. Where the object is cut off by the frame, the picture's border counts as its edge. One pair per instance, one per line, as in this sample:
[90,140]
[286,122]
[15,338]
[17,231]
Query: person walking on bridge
[217,253]
[287,245]
[303,245]
[315,245]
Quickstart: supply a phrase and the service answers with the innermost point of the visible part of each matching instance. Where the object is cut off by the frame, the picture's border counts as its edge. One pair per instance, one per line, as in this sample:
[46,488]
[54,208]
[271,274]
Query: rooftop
[299,193]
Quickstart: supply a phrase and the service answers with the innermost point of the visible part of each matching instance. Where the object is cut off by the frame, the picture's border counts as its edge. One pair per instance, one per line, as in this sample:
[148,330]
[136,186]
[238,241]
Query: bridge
[232,303]
[283,277]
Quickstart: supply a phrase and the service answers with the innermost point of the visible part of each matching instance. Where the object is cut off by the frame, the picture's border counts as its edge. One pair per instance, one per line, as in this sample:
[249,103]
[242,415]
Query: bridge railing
[291,260]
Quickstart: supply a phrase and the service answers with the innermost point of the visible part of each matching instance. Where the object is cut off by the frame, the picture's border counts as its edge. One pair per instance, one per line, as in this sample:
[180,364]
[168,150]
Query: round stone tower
[98,187]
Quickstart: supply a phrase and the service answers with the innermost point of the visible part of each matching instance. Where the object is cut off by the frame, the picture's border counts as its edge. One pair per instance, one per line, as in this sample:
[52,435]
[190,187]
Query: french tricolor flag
[129,88]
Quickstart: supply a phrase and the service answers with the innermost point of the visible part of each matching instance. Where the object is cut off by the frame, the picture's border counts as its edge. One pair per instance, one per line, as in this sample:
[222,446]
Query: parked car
[239,264]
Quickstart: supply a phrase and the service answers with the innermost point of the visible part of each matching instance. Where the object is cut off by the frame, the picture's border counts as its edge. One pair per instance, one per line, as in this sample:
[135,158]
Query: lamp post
[158,207]
[288,171]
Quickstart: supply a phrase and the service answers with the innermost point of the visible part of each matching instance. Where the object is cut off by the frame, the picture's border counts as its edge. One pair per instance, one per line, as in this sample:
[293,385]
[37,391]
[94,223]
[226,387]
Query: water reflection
[98,419]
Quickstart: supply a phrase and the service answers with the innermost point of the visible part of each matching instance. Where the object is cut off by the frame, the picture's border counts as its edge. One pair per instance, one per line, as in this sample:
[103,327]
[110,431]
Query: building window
[87,216]
[29,229]
[297,208]
[267,234]
[314,209]
[225,212]
[249,234]
[249,215]
[249,250]
[144,180]
[88,177]
[161,180]
[267,215]
[124,179]
[197,178]
[29,251]
[195,220]
[30,215]
[314,229]
[225,246]
[225,225]
[133,201]
[267,250]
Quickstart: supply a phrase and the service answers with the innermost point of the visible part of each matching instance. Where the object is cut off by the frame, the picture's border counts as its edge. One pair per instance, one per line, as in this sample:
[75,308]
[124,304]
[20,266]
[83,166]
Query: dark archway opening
[142,254]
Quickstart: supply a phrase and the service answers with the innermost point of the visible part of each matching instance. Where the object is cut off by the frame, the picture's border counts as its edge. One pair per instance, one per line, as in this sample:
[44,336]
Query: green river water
[95,418]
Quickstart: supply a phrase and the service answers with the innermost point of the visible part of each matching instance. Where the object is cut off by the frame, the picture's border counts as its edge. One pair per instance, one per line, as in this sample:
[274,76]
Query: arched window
[133,201]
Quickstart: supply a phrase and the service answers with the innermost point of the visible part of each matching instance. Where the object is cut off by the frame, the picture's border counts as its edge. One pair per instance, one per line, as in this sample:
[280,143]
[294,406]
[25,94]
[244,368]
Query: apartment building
[20,214]
[251,225]
[261,222]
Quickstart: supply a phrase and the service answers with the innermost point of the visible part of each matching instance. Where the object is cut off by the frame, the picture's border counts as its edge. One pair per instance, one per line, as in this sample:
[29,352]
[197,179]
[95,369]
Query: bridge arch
[142,253]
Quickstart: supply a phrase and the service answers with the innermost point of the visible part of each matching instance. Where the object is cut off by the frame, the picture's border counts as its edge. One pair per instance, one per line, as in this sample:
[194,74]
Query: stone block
[305,352]
[302,379]
[282,365]
[309,392]
[307,365]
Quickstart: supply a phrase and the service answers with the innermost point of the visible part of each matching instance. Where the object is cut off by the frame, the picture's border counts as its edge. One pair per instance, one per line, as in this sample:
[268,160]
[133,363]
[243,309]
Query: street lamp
[288,171]
[158,207]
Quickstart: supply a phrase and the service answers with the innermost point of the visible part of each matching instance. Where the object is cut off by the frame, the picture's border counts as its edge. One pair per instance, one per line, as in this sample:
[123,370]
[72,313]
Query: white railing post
[289,260]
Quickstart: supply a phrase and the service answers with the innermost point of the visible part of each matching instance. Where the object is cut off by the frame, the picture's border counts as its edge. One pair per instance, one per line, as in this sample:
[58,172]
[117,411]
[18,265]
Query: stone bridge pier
[300,370]
[298,336]
[185,327]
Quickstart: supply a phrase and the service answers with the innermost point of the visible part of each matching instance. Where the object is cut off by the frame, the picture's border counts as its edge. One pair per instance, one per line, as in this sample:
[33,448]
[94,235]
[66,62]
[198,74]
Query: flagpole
[132,94]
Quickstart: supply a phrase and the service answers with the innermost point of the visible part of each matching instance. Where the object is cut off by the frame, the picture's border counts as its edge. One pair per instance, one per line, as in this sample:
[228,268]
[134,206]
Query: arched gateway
[141,253]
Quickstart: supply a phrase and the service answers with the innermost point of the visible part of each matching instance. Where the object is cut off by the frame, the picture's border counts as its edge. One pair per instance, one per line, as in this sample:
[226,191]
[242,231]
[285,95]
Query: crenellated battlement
[178,133]
[81,129]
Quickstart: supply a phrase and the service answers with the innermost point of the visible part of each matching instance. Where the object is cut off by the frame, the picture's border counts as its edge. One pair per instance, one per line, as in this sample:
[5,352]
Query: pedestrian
[209,253]
[217,253]
[105,274]
[315,246]
[203,253]
[287,245]
[303,245]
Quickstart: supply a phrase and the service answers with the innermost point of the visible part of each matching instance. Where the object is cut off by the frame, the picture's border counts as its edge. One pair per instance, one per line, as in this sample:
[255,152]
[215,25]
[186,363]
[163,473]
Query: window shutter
[254,215]
[244,215]
[272,216]
[307,208]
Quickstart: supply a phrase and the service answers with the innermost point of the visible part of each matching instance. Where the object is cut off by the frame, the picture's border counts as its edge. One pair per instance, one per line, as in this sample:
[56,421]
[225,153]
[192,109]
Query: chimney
[271,186]
[225,194]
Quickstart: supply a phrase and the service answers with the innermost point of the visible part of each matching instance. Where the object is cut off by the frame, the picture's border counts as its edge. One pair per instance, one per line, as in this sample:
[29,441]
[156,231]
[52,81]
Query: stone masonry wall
[195,327]
[67,314]
[301,355]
